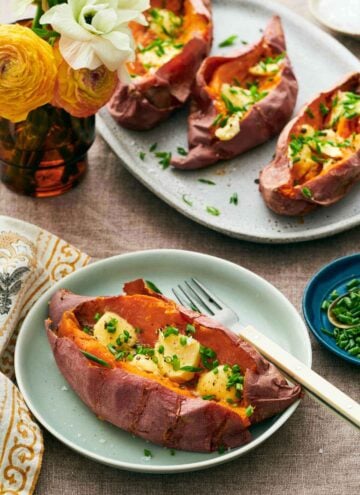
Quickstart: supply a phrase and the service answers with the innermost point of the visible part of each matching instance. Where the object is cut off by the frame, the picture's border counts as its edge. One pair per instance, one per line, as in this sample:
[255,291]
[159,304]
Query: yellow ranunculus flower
[82,92]
[27,72]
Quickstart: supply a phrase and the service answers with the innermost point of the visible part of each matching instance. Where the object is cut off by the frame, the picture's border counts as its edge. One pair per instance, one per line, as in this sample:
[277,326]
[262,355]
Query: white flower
[19,6]
[96,32]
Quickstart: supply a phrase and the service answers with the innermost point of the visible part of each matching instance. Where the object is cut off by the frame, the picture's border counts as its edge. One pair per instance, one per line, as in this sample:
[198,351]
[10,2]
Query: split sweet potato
[161,407]
[240,101]
[169,51]
[317,157]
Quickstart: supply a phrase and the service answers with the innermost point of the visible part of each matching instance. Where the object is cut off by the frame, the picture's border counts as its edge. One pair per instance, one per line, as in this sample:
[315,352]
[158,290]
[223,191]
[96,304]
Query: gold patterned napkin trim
[31,265]
[31,260]
[21,446]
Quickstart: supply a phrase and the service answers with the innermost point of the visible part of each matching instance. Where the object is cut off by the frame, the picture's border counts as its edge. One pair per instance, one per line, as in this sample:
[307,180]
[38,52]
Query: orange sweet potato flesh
[282,183]
[153,94]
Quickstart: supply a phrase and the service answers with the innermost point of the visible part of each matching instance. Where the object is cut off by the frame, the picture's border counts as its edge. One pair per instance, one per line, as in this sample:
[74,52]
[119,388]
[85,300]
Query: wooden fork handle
[311,381]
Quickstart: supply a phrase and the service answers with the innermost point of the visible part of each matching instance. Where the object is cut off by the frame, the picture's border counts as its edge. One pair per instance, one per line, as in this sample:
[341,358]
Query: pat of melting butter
[145,363]
[214,384]
[230,129]
[154,59]
[164,22]
[174,352]
[124,332]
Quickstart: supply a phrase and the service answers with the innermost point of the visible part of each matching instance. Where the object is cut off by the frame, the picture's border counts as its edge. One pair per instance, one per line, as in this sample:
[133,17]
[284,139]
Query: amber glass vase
[46,154]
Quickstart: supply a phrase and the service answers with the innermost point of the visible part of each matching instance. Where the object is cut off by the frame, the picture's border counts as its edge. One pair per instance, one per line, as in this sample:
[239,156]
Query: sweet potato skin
[142,104]
[326,189]
[266,118]
[146,407]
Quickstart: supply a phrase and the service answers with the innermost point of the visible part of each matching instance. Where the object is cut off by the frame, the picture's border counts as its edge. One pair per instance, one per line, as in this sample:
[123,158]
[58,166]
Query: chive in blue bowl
[332,277]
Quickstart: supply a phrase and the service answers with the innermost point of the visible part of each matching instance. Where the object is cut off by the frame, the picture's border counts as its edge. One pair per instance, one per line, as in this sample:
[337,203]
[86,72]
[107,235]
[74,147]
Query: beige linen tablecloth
[111,213]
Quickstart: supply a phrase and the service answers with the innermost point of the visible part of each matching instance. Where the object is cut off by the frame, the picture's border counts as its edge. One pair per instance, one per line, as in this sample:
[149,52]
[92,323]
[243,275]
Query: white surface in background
[341,14]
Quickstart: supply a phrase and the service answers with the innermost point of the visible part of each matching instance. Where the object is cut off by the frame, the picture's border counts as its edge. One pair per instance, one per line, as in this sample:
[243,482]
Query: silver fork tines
[195,294]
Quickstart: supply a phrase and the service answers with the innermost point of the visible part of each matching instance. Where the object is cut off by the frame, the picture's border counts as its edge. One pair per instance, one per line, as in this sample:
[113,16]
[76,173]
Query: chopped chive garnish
[153,147]
[142,155]
[208,397]
[323,109]
[190,329]
[152,286]
[243,42]
[229,41]
[182,151]
[234,199]
[165,158]
[213,211]
[97,316]
[97,360]
[221,449]
[161,349]
[306,192]
[207,181]
[87,330]
[169,330]
[183,340]
[192,369]
[309,113]
[249,411]
[147,453]
[172,452]
[186,200]
[355,282]
[217,119]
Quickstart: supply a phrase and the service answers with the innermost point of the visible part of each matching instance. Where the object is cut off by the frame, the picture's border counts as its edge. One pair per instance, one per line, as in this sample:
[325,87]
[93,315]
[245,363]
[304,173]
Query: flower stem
[38,14]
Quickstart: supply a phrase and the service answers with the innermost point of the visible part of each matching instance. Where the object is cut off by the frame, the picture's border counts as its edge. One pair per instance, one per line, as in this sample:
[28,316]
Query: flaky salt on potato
[160,371]
[169,51]
[240,101]
[317,157]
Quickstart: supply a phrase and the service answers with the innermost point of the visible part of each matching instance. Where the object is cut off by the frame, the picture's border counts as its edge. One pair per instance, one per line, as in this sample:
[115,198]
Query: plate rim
[313,7]
[159,469]
[305,305]
[176,203]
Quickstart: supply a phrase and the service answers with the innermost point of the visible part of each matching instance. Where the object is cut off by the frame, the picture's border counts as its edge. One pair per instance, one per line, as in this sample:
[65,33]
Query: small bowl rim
[305,305]
[312,4]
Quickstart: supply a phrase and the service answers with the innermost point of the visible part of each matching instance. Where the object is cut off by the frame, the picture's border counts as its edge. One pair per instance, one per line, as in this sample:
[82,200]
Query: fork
[198,297]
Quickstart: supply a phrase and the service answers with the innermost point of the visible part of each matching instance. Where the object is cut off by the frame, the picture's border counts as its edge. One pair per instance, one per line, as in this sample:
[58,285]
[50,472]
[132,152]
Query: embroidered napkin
[31,260]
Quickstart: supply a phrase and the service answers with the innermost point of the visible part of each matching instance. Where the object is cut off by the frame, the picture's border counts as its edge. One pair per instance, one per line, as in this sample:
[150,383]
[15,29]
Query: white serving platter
[319,62]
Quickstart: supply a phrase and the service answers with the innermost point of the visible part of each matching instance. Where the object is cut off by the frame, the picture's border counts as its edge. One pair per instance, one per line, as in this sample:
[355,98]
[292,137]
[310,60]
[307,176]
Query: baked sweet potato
[169,51]
[317,157]
[240,101]
[163,372]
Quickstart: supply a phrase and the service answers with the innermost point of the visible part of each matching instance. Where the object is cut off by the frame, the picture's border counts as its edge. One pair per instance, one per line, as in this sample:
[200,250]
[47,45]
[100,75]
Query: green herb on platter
[165,158]
[186,200]
[207,181]
[147,453]
[229,41]
[234,199]
[142,155]
[213,211]
[181,151]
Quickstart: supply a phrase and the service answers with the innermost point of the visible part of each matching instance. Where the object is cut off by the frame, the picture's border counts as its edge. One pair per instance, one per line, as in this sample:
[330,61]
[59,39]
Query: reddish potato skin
[265,388]
[144,407]
[143,104]
[265,119]
[328,188]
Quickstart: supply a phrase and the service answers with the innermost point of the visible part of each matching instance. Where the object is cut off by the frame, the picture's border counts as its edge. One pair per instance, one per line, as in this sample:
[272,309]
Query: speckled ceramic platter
[319,61]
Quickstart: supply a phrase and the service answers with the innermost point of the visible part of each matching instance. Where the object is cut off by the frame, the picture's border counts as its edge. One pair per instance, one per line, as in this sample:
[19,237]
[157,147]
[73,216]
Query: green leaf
[229,41]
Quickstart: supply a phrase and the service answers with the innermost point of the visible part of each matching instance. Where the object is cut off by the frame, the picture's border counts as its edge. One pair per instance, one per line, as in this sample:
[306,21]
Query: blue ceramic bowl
[333,276]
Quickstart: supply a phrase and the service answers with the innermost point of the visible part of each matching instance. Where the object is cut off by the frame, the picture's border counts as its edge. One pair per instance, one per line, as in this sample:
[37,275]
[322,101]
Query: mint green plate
[62,413]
